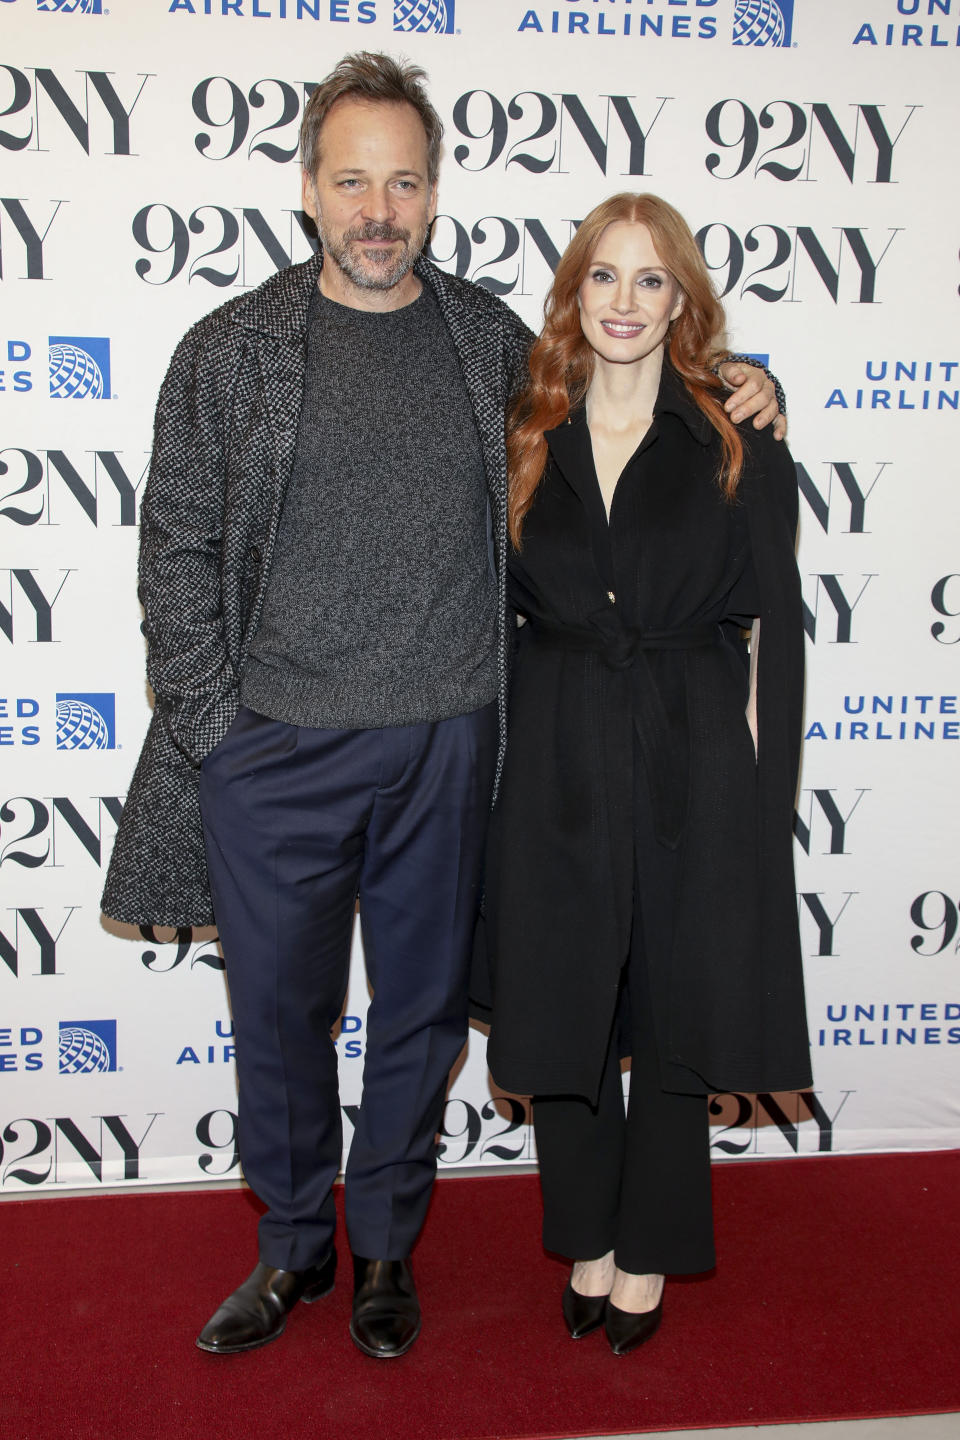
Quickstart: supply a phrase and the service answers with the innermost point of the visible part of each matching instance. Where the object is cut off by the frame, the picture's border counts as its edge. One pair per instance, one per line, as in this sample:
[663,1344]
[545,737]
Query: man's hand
[753,394]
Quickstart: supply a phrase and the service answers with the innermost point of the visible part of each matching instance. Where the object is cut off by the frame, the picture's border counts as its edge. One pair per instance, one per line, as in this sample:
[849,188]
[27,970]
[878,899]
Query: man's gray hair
[367,75]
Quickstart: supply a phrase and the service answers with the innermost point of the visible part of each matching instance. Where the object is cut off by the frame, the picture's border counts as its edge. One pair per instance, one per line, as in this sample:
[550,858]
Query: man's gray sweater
[381,603]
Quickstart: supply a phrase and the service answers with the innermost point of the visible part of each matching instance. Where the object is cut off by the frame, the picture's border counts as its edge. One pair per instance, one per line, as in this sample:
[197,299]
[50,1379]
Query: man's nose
[378,204]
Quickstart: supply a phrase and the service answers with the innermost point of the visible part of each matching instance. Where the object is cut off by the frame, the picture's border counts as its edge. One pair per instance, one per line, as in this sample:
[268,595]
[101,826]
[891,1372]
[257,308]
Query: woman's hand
[753,394]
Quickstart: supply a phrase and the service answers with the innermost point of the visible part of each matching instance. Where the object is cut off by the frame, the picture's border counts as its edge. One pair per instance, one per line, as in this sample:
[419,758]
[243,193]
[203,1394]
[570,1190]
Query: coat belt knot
[664,752]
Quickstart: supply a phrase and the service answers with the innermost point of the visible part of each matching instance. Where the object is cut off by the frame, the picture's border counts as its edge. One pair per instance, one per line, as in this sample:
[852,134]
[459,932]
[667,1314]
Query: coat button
[254,555]
[611,597]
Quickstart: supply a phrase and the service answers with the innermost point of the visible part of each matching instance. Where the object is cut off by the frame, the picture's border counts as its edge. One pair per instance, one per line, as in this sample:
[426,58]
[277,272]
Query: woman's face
[627,297]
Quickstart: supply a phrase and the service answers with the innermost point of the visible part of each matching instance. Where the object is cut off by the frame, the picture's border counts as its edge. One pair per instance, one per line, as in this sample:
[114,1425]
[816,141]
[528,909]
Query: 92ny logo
[220,104]
[495,250]
[54,830]
[551,124]
[40,109]
[842,495]
[821,820]
[838,503]
[821,825]
[786,1116]
[804,141]
[27,612]
[38,1152]
[26,938]
[242,242]
[544,133]
[47,487]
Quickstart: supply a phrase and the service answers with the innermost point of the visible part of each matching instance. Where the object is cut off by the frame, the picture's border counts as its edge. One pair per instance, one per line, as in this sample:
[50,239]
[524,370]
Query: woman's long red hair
[561,361]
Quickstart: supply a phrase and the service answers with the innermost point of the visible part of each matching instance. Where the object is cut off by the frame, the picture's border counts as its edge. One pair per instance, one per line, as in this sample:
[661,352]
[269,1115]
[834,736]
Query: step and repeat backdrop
[149,173]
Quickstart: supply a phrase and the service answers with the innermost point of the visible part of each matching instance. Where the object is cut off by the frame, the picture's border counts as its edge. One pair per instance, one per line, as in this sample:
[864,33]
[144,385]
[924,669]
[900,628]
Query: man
[323,537]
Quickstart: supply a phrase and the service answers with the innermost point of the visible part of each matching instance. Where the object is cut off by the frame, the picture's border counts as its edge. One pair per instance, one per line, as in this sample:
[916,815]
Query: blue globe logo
[81,727]
[74,374]
[68,7]
[82,1052]
[759,22]
[422,15]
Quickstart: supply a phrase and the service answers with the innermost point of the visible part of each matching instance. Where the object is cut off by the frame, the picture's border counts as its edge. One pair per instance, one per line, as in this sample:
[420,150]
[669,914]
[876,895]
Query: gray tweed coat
[224,440]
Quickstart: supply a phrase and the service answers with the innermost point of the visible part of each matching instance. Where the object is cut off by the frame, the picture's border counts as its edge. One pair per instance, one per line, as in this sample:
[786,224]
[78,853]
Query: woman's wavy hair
[562,360]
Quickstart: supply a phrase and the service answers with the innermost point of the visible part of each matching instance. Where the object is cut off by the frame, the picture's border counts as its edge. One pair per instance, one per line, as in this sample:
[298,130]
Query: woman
[640,894]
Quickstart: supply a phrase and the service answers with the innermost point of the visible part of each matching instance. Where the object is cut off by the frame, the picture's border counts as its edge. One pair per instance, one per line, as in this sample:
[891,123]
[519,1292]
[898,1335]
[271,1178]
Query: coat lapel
[275,317]
[572,452]
[572,455]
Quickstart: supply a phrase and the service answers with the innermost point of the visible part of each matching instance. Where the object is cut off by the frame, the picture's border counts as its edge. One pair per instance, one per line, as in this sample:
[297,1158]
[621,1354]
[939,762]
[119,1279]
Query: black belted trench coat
[632,656]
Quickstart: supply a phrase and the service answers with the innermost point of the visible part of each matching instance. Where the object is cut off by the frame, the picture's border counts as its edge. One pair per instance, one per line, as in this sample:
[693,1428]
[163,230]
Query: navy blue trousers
[299,825]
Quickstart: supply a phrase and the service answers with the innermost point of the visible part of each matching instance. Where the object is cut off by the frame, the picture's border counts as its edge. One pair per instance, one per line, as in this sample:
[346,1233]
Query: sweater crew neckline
[336,312]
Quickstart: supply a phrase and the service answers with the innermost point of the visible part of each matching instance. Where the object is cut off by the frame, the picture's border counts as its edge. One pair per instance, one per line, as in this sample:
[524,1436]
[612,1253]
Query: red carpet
[837,1295]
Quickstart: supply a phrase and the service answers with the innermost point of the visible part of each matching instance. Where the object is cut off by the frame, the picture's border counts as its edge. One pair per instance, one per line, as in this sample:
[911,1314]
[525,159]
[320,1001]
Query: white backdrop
[148,174]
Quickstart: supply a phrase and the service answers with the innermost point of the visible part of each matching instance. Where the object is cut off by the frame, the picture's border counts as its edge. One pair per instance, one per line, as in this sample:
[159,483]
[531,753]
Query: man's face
[371,201]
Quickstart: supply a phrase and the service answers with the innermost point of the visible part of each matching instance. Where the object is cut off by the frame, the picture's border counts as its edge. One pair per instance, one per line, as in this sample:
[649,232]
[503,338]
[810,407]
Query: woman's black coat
[632,655]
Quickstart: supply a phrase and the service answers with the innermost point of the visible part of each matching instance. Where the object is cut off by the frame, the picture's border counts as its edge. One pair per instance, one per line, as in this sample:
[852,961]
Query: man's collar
[279,306]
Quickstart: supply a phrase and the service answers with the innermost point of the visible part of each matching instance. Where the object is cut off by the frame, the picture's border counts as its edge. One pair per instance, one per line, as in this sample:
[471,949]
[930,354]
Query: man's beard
[374,269]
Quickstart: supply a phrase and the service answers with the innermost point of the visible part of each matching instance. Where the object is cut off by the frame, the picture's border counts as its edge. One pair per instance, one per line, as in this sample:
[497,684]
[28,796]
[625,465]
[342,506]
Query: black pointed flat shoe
[257,1310]
[627,1330]
[582,1313]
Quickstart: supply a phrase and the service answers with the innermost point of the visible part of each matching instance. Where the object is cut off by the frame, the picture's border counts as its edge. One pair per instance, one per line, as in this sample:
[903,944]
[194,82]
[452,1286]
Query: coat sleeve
[772,497]
[181,537]
[517,342]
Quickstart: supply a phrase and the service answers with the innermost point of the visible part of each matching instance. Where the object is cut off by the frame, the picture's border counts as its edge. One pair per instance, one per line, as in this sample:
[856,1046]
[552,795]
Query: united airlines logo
[424,16]
[79,367]
[86,722]
[71,7]
[88,1047]
[763,22]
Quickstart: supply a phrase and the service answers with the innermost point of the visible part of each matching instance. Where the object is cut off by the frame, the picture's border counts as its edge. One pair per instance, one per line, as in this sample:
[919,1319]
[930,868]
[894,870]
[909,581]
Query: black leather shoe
[258,1310]
[626,1330]
[582,1313]
[386,1311]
